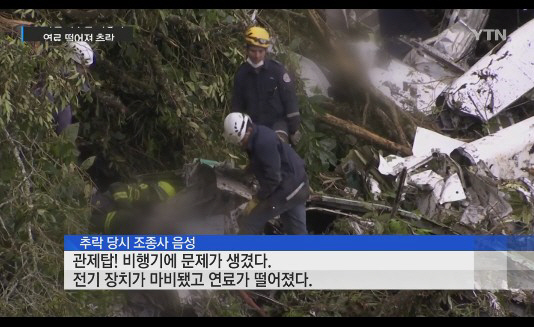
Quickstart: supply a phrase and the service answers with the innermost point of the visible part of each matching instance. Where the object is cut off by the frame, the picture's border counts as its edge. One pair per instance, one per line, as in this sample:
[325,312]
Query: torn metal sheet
[385,166]
[452,190]
[506,154]
[393,165]
[410,89]
[428,181]
[529,184]
[453,43]
[225,183]
[357,165]
[481,192]
[440,58]
[458,39]
[315,81]
[473,215]
[498,79]
[427,142]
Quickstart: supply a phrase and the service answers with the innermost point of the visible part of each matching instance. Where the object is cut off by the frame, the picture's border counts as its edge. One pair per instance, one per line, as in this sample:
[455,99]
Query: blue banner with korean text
[298,243]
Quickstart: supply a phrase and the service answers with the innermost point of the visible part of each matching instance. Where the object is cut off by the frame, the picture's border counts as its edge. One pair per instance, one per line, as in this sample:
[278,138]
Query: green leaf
[191,86]
[379,228]
[70,133]
[328,143]
[194,125]
[232,156]
[87,163]
[163,28]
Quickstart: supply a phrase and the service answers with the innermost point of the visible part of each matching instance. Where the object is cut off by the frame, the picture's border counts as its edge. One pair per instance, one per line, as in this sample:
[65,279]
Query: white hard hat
[234,127]
[83,54]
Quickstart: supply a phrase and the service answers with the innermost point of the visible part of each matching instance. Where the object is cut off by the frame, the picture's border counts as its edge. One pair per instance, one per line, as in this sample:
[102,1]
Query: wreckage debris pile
[473,188]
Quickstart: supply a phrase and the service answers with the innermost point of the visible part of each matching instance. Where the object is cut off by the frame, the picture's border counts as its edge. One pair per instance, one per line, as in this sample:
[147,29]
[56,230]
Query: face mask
[253,64]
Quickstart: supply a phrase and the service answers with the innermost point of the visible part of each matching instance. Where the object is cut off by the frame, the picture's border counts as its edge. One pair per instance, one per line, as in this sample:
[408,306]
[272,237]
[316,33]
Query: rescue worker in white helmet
[281,174]
[264,90]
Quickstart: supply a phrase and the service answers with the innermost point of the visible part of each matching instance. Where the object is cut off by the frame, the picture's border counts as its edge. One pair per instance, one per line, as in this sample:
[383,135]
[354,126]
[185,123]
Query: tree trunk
[361,132]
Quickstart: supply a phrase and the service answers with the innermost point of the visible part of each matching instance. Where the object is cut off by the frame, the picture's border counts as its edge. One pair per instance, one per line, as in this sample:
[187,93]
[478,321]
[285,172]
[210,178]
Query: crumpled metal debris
[437,179]
[455,43]
[435,72]
[498,79]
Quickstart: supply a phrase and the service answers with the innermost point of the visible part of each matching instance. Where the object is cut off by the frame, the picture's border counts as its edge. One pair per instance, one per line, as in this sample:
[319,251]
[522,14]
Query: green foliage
[175,81]
[317,148]
[44,195]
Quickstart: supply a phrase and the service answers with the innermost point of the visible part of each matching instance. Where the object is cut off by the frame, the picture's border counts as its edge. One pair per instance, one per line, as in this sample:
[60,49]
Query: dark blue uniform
[283,183]
[267,95]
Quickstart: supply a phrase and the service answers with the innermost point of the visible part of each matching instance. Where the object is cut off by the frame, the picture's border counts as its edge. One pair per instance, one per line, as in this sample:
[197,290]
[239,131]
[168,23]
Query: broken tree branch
[399,193]
[26,176]
[251,303]
[361,132]
[365,108]
[337,212]
[265,297]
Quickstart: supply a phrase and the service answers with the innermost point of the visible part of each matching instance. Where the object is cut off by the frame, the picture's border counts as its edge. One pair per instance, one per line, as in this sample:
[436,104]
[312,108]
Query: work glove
[250,205]
[295,138]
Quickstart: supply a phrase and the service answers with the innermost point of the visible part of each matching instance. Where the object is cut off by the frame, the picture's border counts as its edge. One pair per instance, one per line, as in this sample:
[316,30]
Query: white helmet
[83,54]
[234,127]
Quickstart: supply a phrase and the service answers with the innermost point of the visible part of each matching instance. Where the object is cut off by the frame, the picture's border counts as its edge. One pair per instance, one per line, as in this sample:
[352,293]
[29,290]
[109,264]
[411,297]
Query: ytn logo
[489,32]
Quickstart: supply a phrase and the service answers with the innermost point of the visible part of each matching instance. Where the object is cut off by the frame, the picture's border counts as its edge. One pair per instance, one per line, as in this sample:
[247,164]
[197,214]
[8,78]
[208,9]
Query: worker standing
[264,90]
[280,172]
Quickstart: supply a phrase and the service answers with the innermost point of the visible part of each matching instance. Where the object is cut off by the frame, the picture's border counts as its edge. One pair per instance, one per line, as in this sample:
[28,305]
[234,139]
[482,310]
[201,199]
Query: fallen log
[363,133]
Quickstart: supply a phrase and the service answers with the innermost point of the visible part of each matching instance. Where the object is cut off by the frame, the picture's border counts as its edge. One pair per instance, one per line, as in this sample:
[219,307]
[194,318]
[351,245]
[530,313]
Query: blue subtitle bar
[298,243]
